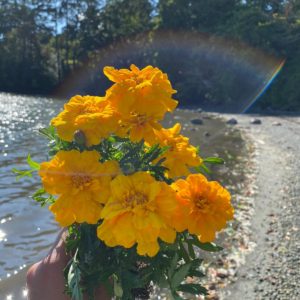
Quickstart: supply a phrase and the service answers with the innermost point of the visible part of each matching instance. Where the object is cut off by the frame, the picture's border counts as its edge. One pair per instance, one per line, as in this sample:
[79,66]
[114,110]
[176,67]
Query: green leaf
[164,149]
[191,249]
[74,277]
[20,174]
[196,263]
[39,192]
[118,291]
[196,273]
[33,165]
[180,275]
[210,247]
[38,196]
[173,265]
[192,288]
[203,169]
[182,250]
[160,162]
[48,132]
[214,160]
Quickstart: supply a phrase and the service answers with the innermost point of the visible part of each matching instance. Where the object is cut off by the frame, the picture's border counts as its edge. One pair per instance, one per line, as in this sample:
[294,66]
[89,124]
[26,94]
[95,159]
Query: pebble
[232,121]
[255,121]
[197,121]
[212,297]
[222,273]
[276,124]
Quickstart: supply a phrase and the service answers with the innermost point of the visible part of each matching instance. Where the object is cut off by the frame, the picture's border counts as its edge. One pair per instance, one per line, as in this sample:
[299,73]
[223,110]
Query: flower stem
[183,251]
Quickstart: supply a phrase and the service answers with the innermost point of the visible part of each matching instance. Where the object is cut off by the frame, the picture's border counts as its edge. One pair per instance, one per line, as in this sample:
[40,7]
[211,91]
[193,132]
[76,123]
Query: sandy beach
[271,270]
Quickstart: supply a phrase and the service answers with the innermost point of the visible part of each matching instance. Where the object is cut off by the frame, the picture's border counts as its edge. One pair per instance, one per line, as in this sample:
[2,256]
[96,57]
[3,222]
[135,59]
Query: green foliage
[203,169]
[24,54]
[55,143]
[179,275]
[34,166]
[214,160]
[134,157]
[74,278]
[126,274]
[42,197]
[196,15]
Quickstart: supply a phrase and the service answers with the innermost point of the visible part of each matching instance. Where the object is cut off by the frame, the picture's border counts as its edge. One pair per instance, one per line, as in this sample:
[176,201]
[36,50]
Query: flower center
[139,119]
[201,203]
[137,79]
[79,181]
[134,199]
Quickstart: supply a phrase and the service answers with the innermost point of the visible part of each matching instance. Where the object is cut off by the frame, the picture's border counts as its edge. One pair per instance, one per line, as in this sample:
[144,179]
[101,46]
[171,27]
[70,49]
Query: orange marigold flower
[145,92]
[81,182]
[204,207]
[138,127]
[181,154]
[136,213]
[142,97]
[94,116]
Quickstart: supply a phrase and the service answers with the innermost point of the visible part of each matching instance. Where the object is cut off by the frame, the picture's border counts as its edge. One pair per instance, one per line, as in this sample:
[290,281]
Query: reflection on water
[26,230]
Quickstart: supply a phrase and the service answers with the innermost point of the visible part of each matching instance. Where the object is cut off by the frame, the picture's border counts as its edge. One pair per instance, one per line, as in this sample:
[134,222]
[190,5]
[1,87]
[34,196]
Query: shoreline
[271,269]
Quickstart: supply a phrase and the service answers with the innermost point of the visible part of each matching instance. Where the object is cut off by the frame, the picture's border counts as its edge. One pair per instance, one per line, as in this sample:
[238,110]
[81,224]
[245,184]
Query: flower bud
[79,137]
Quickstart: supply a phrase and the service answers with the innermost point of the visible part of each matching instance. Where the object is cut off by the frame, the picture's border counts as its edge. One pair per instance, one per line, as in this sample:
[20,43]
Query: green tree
[195,15]
[24,62]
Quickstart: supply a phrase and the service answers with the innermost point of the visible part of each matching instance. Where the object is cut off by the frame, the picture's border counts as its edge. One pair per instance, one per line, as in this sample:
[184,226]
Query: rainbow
[252,70]
[263,89]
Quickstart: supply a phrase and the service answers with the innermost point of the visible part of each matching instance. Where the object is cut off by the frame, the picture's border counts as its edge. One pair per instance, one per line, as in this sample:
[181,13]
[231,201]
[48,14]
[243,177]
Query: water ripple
[26,229]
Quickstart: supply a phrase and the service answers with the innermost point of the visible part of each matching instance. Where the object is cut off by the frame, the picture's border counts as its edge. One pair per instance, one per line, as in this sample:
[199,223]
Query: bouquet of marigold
[130,192]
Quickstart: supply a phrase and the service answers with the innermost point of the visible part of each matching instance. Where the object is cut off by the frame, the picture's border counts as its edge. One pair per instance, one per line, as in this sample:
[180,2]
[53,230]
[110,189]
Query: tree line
[47,45]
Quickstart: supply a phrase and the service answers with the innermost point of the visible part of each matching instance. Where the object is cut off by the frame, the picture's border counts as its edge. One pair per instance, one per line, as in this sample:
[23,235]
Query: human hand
[45,280]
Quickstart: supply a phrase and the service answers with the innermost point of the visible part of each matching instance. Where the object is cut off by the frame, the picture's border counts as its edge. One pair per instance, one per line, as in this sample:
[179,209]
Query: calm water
[27,230]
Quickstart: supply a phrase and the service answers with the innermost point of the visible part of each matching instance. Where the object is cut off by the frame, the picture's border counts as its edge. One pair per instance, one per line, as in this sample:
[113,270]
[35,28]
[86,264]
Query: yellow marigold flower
[81,182]
[136,212]
[94,116]
[138,127]
[146,92]
[181,154]
[142,97]
[204,207]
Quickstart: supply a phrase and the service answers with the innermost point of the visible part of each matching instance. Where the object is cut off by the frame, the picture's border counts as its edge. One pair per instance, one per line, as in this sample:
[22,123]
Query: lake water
[27,230]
